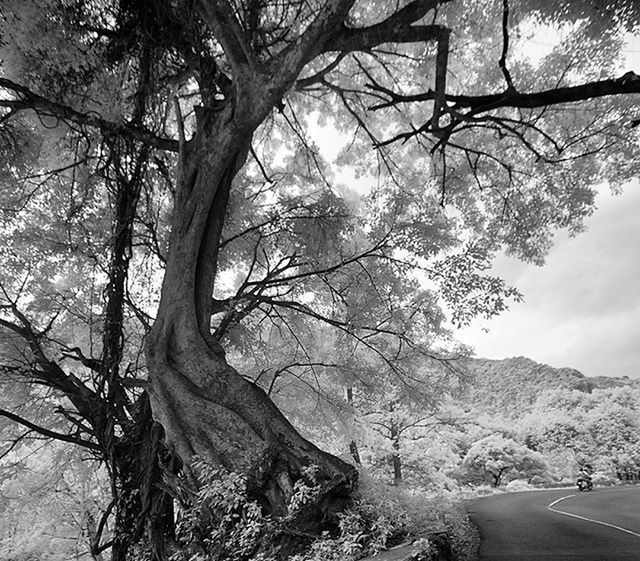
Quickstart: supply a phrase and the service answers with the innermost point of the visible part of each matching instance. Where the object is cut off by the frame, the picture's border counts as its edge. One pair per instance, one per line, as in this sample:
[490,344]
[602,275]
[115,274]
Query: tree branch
[319,76]
[629,83]
[505,45]
[224,24]
[93,364]
[49,372]
[48,433]
[14,443]
[291,60]
[367,38]
[44,107]
[442,61]
[466,109]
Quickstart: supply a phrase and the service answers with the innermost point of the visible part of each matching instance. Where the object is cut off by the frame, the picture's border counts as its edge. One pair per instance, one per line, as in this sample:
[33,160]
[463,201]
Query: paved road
[600,525]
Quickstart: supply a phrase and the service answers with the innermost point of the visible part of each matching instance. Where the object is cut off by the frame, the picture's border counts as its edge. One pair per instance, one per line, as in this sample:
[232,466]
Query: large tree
[171,143]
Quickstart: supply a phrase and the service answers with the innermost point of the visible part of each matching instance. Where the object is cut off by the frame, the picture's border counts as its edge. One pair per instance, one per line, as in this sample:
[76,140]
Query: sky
[582,308]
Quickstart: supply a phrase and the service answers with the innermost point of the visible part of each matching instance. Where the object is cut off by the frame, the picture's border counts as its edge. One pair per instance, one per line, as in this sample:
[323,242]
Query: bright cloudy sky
[582,308]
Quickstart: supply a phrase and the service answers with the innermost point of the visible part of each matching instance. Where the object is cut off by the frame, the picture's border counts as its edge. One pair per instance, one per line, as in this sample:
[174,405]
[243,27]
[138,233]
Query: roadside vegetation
[413,485]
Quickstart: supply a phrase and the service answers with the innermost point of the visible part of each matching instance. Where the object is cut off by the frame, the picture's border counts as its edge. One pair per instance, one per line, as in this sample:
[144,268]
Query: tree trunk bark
[395,457]
[353,445]
[205,407]
[142,503]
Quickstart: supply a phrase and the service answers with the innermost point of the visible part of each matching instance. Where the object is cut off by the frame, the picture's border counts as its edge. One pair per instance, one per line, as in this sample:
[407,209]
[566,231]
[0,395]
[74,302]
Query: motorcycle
[584,484]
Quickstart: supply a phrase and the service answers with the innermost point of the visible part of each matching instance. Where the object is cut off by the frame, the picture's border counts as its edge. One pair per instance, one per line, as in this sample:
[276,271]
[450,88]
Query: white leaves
[500,457]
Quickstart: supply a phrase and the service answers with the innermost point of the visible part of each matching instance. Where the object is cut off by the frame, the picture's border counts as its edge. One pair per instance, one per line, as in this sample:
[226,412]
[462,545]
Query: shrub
[218,521]
[604,478]
[384,516]
[518,485]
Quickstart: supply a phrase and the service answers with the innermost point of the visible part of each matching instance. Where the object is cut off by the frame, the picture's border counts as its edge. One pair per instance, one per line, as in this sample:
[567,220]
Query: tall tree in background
[177,136]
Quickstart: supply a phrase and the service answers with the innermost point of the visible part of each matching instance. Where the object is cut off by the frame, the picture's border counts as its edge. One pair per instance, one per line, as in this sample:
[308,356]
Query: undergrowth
[220,522]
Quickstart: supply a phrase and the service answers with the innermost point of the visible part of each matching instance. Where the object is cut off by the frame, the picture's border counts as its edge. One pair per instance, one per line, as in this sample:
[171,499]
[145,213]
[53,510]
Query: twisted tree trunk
[205,407]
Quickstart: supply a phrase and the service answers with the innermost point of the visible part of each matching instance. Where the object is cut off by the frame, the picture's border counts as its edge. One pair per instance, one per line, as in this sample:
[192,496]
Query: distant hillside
[511,386]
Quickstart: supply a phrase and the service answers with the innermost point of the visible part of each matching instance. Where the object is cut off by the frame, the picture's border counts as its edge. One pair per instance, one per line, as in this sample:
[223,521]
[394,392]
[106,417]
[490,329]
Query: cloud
[582,309]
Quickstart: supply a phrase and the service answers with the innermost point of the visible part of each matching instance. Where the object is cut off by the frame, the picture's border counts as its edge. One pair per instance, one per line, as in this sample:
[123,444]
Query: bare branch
[629,83]
[49,433]
[14,443]
[28,100]
[47,371]
[505,45]
[76,353]
[442,59]
[320,75]
[367,38]
[276,280]
[478,105]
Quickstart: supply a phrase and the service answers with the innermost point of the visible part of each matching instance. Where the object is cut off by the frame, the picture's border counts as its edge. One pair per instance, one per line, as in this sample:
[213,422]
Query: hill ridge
[511,385]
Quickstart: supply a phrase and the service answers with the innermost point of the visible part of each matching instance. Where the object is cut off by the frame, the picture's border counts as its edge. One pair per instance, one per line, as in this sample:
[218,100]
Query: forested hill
[511,386]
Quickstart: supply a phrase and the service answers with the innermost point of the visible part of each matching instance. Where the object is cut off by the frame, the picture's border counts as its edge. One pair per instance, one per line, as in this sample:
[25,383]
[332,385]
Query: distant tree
[626,463]
[532,464]
[496,457]
[399,422]
[555,430]
[161,191]
[615,430]
[599,428]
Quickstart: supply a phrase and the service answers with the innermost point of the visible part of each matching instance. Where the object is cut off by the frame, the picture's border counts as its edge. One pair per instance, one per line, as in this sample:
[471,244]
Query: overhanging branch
[626,84]
[465,109]
[367,38]
[29,100]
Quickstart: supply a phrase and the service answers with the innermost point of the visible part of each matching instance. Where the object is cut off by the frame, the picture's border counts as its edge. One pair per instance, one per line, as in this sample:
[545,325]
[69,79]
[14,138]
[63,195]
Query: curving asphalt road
[600,525]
